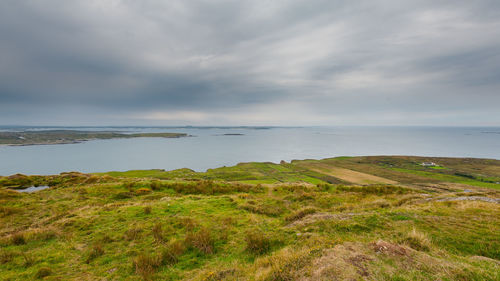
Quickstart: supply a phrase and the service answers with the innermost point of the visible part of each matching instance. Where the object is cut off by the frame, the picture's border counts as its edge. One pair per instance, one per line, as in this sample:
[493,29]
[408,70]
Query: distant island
[71,136]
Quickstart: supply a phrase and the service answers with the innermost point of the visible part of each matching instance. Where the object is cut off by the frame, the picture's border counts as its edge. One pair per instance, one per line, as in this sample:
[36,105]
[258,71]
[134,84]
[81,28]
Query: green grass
[221,225]
[449,178]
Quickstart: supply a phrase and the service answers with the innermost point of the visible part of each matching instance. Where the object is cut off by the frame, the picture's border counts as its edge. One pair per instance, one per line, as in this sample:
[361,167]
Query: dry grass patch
[43,272]
[146,265]
[18,238]
[171,253]
[417,240]
[301,213]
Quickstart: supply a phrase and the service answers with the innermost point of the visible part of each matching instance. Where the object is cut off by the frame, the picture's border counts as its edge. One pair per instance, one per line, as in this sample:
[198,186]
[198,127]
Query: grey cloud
[328,60]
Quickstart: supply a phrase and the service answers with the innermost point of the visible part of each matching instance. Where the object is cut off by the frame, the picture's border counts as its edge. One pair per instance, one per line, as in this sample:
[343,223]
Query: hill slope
[368,218]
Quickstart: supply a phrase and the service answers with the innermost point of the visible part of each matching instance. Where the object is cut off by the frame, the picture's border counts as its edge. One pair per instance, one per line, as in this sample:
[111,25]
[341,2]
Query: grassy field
[346,218]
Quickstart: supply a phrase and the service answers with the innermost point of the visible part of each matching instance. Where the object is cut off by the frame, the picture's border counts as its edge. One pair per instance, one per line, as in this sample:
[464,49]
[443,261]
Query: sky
[268,62]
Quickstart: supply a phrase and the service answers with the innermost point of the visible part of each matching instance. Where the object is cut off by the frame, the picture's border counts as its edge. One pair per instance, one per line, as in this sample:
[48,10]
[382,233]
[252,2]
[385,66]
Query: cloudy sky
[268,62]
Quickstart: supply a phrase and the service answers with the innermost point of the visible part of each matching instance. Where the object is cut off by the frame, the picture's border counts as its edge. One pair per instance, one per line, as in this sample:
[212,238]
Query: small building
[429,164]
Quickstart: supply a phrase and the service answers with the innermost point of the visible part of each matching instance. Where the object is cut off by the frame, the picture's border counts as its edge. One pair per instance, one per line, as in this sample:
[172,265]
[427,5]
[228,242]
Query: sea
[212,147]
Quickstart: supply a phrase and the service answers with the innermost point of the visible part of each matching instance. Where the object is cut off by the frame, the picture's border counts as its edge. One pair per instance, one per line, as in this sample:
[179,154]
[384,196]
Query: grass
[182,225]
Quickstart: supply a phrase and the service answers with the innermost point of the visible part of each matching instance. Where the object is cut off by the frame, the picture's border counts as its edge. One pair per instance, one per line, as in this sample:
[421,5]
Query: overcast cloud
[156,62]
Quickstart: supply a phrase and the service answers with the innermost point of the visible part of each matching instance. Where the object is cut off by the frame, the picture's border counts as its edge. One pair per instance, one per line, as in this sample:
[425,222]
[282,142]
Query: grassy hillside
[347,218]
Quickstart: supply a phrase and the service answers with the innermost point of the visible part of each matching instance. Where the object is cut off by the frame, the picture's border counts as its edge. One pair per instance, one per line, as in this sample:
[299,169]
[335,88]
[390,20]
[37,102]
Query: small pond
[33,188]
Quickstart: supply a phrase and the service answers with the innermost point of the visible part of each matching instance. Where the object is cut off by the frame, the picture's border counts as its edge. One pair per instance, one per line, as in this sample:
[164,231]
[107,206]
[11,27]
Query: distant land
[71,136]
[344,218]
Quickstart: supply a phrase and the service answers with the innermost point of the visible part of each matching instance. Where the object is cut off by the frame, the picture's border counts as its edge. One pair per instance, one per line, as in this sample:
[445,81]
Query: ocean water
[212,147]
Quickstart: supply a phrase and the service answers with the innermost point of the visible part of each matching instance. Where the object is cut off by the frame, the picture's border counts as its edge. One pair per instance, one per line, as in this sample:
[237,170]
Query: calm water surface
[210,148]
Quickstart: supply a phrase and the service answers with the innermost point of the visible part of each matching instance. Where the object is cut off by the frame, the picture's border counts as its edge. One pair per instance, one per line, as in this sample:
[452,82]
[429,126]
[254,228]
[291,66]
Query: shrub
[257,243]
[95,252]
[170,254]
[201,240]
[43,272]
[301,213]
[146,265]
[18,238]
[147,210]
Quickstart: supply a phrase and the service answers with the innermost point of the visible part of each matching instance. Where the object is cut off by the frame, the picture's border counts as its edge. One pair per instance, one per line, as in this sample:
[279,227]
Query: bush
[257,243]
[201,240]
[43,272]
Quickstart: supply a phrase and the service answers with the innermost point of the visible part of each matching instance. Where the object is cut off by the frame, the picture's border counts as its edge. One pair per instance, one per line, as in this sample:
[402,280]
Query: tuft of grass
[18,238]
[158,233]
[95,252]
[43,272]
[417,240]
[29,259]
[171,253]
[257,243]
[301,213]
[202,240]
[147,210]
[6,256]
[132,233]
[146,265]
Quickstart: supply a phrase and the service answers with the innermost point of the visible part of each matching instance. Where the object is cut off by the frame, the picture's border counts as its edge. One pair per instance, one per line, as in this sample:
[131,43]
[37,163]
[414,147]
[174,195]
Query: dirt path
[349,175]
